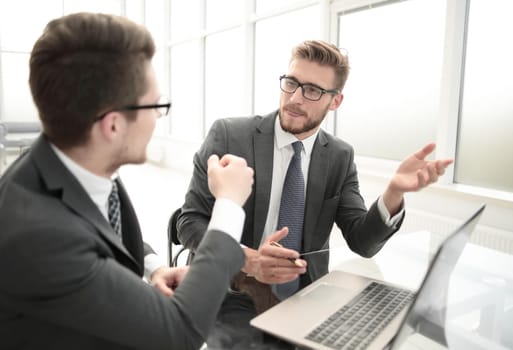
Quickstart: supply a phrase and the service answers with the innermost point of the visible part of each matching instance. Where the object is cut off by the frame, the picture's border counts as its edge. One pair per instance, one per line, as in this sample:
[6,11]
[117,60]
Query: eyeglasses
[309,91]
[162,107]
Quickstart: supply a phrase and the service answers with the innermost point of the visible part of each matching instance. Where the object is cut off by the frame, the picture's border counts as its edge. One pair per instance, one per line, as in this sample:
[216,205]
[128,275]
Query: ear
[110,124]
[336,101]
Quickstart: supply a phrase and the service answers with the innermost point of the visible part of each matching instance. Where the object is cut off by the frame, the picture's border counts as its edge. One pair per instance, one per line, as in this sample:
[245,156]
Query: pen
[294,261]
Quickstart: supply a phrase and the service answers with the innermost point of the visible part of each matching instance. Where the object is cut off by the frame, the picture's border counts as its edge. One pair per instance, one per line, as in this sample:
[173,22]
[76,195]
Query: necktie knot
[114,190]
[298,147]
[114,210]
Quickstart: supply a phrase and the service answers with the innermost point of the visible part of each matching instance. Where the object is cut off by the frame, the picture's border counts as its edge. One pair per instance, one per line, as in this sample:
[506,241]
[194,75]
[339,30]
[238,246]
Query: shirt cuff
[151,263]
[228,217]
[385,215]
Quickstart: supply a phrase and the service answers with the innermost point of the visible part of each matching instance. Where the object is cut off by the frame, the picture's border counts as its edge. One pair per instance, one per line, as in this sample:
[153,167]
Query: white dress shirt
[282,155]
[227,216]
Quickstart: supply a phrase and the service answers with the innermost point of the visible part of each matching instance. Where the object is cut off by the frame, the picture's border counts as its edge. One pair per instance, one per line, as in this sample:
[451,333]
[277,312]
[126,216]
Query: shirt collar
[96,186]
[284,138]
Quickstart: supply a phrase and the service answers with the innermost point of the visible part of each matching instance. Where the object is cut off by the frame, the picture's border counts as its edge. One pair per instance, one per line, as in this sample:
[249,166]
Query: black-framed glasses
[309,91]
[162,107]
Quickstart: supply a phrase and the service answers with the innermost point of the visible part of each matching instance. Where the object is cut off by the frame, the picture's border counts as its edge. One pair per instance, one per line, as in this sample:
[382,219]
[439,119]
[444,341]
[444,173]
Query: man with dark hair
[71,252]
[299,213]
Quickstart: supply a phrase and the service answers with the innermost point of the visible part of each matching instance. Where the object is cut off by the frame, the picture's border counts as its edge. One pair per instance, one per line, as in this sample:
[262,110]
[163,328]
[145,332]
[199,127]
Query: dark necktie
[115,209]
[292,210]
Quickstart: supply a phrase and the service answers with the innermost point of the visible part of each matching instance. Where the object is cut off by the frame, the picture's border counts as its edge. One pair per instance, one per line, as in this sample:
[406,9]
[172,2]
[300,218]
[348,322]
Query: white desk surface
[480,290]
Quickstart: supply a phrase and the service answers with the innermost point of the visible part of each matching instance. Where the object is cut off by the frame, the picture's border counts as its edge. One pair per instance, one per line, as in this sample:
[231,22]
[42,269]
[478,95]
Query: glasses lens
[288,85]
[312,92]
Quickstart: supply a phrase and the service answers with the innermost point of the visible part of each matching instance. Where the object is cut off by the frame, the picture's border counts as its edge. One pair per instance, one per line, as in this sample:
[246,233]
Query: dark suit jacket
[67,282]
[332,194]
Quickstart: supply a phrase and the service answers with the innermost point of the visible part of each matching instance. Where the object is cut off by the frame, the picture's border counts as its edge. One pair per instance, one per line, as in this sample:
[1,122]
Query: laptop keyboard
[356,324]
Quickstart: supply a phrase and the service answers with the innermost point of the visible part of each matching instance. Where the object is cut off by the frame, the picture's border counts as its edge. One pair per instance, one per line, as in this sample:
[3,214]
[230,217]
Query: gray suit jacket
[332,194]
[67,281]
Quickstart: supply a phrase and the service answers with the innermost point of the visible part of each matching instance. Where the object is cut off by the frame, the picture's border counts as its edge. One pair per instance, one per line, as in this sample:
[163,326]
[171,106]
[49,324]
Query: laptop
[348,311]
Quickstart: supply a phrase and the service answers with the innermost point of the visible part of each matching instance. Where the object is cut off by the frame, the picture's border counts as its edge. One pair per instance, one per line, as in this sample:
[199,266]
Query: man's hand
[166,279]
[230,177]
[414,173]
[272,264]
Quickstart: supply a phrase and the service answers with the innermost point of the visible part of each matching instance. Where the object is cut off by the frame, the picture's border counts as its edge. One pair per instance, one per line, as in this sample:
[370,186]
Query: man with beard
[328,192]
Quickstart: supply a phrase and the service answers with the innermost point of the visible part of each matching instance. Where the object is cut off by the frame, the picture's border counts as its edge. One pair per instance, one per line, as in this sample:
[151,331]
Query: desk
[479,298]
[480,295]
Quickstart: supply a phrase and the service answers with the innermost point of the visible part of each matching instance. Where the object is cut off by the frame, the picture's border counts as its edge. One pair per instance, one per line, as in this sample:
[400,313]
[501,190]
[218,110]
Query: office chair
[172,235]
[27,131]
[3,157]
[24,134]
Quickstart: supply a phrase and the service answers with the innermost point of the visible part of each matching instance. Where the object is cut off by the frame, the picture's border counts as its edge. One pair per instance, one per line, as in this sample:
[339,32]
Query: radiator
[441,226]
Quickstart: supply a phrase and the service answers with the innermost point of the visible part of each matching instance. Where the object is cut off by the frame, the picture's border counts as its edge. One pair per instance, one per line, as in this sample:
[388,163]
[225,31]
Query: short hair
[85,64]
[325,54]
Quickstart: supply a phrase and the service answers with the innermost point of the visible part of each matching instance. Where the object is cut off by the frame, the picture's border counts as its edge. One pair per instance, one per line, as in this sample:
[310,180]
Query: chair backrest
[172,235]
[3,148]
[25,133]
[3,157]
[3,132]
[22,127]
[172,229]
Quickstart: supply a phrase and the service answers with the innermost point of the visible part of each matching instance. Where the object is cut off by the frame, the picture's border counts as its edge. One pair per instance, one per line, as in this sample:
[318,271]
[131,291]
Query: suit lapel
[58,179]
[317,180]
[132,237]
[263,146]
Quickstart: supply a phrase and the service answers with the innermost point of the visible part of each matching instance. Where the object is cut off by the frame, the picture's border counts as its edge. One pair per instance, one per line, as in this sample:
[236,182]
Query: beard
[310,122]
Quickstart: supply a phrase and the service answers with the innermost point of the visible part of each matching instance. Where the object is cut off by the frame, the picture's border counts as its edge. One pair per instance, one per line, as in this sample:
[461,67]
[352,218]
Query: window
[17,102]
[16,41]
[103,6]
[15,34]
[272,56]
[18,36]
[266,6]
[187,91]
[156,21]
[408,85]
[485,144]
[224,75]
[222,13]
[391,96]
[186,18]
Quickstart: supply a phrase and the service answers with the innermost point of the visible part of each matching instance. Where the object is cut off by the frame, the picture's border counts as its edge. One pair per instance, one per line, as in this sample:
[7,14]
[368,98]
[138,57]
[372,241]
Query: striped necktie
[292,210]
[115,209]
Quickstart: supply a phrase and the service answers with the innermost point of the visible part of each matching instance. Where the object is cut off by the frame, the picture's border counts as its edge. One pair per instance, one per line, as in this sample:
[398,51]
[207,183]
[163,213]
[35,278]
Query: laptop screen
[427,313]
